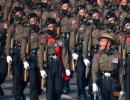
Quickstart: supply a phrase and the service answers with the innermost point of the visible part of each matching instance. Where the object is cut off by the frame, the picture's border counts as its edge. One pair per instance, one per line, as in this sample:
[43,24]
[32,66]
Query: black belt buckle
[53,56]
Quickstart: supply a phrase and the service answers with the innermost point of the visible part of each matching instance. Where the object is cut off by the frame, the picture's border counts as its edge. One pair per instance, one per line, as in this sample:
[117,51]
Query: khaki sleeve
[65,57]
[72,41]
[8,40]
[41,57]
[87,43]
[121,74]
[23,49]
[95,68]
[24,44]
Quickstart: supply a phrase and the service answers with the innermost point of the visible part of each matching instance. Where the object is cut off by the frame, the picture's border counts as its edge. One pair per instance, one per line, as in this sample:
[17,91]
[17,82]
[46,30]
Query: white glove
[67,72]
[9,59]
[26,65]
[122,93]
[95,87]
[43,74]
[87,62]
[75,56]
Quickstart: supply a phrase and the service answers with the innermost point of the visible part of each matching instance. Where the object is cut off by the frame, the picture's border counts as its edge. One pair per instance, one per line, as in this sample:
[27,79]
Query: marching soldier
[65,15]
[107,71]
[55,60]
[93,32]
[3,63]
[30,49]
[13,52]
[78,32]
[124,50]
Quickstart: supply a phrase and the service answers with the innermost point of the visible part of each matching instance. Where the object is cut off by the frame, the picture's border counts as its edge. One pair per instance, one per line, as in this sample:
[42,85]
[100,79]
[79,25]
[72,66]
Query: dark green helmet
[50,21]
[126,20]
[92,11]
[17,9]
[32,15]
[110,15]
[64,1]
[81,7]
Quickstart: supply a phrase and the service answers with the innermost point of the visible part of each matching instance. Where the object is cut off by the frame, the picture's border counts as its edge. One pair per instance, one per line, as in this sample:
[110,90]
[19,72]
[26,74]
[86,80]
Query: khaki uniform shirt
[50,49]
[102,62]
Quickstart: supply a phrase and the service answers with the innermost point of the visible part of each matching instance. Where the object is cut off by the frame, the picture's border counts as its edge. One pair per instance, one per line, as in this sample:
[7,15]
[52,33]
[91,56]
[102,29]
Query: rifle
[73,62]
[124,52]
[25,75]
[11,47]
[43,80]
[10,65]
[86,71]
[27,51]
[42,83]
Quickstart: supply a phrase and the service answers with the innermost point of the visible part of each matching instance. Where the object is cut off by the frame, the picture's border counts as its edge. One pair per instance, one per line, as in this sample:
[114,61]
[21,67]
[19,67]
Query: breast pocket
[114,62]
[103,61]
[33,38]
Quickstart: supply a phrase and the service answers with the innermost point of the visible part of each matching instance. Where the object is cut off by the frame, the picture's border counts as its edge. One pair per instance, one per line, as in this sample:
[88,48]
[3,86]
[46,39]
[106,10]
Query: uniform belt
[34,51]
[16,43]
[64,34]
[107,74]
[53,56]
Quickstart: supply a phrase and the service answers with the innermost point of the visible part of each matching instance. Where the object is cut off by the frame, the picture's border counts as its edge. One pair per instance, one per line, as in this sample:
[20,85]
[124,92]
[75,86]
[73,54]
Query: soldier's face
[104,43]
[82,12]
[50,27]
[111,20]
[65,6]
[127,26]
[96,16]
[19,14]
[44,1]
[123,2]
[33,21]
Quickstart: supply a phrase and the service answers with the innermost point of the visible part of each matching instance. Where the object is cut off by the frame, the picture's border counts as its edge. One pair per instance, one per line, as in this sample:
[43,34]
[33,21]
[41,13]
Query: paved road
[8,95]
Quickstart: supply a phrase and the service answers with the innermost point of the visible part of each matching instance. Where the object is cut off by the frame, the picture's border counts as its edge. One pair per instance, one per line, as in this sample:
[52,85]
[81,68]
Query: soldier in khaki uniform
[13,52]
[78,32]
[30,47]
[107,71]
[124,50]
[95,26]
[65,15]
[54,61]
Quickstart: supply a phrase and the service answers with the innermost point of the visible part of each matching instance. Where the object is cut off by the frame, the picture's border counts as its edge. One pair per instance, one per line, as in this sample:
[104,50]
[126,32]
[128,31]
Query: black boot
[66,87]
[1,92]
